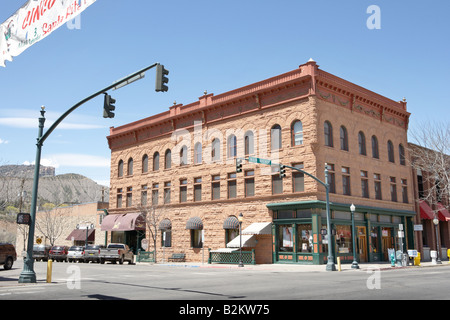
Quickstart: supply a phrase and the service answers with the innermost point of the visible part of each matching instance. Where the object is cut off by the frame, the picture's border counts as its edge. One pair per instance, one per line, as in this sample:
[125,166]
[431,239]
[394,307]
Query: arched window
[249,143]
[130,167]
[215,150]
[183,156]
[362,143]
[198,153]
[401,154]
[156,161]
[275,137]
[145,163]
[328,132]
[168,159]
[232,146]
[297,133]
[375,153]
[120,169]
[344,138]
[390,148]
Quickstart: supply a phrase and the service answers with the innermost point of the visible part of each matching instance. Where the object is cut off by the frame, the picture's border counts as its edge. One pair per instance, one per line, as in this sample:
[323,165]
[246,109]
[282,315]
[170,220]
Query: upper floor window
[156,161]
[328,132]
[168,159]
[362,143]
[120,169]
[344,138]
[390,148]
[183,156]
[145,163]
[401,154]
[375,153]
[232,146]
[249,143]
[297,133]
[275,137]
[130,167]
[198,153]
[215,150]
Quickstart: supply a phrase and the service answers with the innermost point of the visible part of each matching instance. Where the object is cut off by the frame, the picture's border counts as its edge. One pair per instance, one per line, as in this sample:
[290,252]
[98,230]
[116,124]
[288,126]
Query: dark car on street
[41,252]
[59,253]
[7,255]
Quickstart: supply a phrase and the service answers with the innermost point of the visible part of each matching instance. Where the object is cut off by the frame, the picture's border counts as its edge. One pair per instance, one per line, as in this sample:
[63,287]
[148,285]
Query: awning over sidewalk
[123,222]
[425,211]
[80,235]
[248,241]
[258,228]
[443,213]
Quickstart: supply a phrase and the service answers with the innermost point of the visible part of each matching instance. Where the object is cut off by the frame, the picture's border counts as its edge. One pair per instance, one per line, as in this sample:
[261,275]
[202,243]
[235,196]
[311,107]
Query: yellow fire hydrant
[417,259]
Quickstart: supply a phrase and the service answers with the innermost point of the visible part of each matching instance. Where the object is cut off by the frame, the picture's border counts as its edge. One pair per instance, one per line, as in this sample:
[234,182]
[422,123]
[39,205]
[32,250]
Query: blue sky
[215,46]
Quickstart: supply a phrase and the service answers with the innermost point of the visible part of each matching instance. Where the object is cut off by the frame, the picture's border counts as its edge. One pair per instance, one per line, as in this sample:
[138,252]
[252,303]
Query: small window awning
[123,222]
[225,250]
[248,241]
[231,223]
[443,213]
[425,211]
[165,224]
[258,228]
[80,235]
[194,223]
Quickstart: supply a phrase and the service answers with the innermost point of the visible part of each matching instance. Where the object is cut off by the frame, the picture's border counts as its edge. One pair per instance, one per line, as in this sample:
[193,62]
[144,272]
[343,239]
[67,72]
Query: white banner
[35,21]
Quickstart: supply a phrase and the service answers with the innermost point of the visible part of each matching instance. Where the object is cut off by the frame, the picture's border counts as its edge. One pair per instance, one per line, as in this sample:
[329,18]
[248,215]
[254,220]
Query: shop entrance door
[362,244]
[386,242]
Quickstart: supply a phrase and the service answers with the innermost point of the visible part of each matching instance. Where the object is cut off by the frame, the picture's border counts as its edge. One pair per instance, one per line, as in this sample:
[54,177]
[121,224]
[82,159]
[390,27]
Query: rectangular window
[197,189]
[393,189]
[183,190]
[167,191]
[249,183]
[119,198]
[298,179]
[232,192]
[129,197]
[277,184]
[377,185]
[404,191]
[166,238]
[331,178]
[364,184]
[155,194]
[215,186]
[196,239]
[346,181]
[144,195]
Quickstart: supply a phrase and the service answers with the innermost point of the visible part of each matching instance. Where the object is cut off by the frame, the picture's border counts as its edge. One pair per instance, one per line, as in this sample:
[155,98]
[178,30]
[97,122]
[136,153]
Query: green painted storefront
[299,232]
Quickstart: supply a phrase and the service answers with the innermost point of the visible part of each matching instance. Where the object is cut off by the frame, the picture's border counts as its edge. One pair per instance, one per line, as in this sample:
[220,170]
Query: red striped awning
[443,213]
[425,211]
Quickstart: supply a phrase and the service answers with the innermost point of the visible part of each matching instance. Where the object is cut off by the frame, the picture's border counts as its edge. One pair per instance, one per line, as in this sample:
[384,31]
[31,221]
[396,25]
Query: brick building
[182,163]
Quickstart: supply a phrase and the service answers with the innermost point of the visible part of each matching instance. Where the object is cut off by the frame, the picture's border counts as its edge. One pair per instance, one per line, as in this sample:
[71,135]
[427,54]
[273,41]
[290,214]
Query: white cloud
[4,141]
[73,160]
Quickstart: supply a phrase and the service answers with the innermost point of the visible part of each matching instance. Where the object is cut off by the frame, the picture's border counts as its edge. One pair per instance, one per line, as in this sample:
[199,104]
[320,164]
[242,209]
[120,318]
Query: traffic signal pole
[28,274]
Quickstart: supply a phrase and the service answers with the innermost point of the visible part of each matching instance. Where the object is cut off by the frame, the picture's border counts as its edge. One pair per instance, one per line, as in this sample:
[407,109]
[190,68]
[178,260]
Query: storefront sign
[418,227]
[35,21]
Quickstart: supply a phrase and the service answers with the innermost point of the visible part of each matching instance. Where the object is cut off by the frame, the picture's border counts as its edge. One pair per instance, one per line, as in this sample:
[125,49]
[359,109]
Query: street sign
[259,160]
[144,244]
[418,227]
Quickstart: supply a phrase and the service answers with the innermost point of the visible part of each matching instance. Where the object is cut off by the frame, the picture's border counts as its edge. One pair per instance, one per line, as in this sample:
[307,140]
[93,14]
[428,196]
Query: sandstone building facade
[182,164]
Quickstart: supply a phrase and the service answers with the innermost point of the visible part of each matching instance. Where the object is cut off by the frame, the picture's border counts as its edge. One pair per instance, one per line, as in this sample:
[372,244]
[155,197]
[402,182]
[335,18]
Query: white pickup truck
[116,252]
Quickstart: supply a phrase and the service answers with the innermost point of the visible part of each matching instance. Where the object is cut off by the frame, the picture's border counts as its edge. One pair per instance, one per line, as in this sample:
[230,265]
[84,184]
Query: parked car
[59,253]
[92,253]
[116,252]
[7,255]
[75,254]
[41,252]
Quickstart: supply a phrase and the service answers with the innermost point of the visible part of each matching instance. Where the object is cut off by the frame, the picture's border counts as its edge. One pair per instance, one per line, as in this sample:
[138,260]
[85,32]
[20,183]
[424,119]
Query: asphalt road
[78,281]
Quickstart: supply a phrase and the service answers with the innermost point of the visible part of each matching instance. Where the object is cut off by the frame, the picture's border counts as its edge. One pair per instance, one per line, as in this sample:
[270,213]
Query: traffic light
[282,171]
[161,79]
[238,165]
[108,106]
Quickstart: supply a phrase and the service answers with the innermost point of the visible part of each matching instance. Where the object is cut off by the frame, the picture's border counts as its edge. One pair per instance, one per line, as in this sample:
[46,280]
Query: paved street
[217,282]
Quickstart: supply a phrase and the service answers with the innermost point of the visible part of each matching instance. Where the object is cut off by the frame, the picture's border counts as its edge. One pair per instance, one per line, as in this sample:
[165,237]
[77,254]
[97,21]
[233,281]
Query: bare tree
[52,222]
[429,154]
[153,216]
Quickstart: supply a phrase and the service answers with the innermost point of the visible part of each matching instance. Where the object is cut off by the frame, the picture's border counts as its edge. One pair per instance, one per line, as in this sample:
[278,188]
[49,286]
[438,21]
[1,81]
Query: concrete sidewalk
[284,267]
